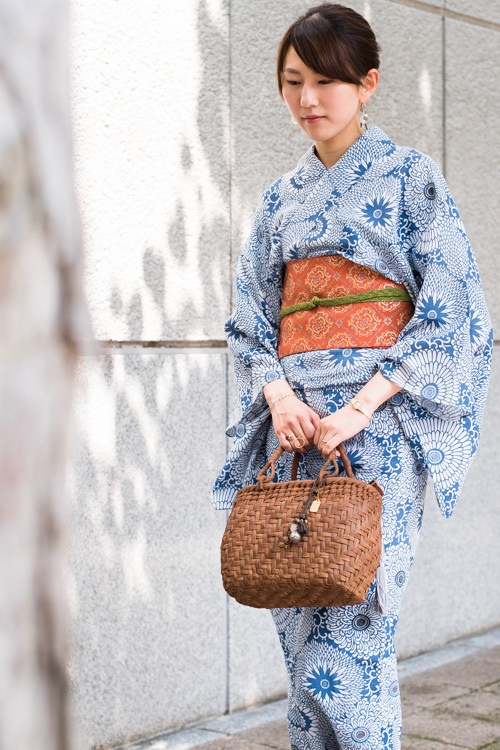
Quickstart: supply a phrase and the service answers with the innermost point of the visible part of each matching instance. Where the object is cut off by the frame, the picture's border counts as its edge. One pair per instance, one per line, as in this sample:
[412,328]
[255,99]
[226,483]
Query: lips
[311,119]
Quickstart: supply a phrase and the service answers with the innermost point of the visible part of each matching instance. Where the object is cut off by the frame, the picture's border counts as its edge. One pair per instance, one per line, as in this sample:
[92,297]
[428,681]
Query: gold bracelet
[288,395]
[358,405]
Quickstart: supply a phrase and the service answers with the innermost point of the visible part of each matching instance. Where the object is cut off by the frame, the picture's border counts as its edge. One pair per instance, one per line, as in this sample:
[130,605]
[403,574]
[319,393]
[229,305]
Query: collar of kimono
[330,302]
[373,144]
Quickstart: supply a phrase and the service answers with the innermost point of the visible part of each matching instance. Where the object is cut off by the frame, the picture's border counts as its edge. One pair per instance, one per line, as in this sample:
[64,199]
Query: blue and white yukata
[388,208]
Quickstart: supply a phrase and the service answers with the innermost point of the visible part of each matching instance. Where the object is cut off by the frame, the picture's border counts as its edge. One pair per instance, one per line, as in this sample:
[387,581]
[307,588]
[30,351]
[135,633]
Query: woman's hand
[347,422]
[294,422]
[337,427]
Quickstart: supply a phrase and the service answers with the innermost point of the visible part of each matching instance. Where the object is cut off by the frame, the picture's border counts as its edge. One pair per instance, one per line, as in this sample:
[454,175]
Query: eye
[323,82]
[293,83]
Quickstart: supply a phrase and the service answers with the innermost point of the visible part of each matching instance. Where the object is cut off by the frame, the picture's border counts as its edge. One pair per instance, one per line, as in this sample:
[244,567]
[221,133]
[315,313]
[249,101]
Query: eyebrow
[292,70]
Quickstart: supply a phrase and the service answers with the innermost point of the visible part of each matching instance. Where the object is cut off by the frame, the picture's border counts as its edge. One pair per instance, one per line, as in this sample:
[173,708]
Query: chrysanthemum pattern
[421,195]
[389,688]
[389,209]
[444,452]
[358,731]
[365,636]
[434,379]
[378,211]
[327,676]
[398,561]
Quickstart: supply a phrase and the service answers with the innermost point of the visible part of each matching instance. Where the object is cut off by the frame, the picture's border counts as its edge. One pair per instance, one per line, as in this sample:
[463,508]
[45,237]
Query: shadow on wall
[148,607]
[146,591]
[185,294]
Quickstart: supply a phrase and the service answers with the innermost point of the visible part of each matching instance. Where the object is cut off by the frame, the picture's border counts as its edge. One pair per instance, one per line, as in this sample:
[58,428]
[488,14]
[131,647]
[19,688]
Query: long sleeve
[252,331]
[252,336]
[442,358]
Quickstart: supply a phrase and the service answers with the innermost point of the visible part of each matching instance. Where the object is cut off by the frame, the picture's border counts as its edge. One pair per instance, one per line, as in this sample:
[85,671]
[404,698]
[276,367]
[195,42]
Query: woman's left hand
[337,427]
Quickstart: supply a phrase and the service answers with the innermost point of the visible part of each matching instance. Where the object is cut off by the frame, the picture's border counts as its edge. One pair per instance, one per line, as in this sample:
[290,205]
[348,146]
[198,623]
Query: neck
[329,152]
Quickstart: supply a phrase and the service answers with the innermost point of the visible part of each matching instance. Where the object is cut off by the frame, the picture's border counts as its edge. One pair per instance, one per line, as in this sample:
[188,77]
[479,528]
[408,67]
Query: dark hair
[334,41]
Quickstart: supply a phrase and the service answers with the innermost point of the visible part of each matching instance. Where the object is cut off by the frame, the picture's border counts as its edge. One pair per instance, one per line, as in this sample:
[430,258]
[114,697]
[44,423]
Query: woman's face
[322,107]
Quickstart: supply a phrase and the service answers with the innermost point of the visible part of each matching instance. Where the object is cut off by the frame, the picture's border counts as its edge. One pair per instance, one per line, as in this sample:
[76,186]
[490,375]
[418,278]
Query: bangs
[342,47]
[321,49]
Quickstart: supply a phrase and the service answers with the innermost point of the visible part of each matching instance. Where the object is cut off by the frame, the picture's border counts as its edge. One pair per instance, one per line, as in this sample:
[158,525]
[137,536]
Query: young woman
[400,381]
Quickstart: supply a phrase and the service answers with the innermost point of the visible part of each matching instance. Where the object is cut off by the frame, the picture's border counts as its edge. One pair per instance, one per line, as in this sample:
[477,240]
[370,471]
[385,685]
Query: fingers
[295,440]
[299,442]
[292,442]
[309,429]
[306,430]
[315,419]
[295,428]
[302,437]
[326,440]
[327,445]
[337,427]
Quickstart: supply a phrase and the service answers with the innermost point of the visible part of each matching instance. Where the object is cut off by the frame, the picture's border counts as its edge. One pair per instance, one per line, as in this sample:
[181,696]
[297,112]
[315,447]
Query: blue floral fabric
[386,207]
[343,690]
[389,208]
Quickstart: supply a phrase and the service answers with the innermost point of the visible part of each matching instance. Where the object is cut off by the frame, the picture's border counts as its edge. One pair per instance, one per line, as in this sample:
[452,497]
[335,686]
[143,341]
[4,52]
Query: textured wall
[149,610]
[178,129]
[151,115]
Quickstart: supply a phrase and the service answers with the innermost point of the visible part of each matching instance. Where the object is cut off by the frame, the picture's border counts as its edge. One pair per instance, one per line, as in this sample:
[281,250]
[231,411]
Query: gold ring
[323,441]
[290,438]
[301,440]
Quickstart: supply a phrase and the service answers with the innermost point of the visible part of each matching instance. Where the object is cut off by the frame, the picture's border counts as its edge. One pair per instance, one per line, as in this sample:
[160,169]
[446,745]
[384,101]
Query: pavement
[450,699]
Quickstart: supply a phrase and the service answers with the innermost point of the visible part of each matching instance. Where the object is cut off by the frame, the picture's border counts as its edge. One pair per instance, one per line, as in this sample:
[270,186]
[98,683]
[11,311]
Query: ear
[370,83]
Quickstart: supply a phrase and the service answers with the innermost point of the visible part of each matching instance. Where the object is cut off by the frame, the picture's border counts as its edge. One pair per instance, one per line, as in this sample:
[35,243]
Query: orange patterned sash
[358,325]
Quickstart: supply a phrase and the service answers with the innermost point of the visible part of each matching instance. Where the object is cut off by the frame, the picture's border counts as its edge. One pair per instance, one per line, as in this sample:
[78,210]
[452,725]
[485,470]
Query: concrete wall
[178,128]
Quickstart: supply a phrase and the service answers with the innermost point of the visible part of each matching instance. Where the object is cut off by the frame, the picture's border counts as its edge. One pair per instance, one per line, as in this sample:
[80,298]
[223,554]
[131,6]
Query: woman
[401,382]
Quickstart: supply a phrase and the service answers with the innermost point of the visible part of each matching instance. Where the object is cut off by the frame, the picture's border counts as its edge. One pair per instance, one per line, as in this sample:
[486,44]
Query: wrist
[361,407]
[376,391]
[277,389]
[279,400]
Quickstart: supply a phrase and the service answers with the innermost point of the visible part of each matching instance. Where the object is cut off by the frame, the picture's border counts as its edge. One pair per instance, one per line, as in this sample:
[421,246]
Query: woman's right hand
[294,422]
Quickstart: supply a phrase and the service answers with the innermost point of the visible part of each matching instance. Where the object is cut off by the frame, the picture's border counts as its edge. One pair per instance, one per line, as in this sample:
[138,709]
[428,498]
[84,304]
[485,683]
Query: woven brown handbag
[303,543]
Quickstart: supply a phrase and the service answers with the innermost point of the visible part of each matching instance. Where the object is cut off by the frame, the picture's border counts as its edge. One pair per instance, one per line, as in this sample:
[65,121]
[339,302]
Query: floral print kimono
[388,208]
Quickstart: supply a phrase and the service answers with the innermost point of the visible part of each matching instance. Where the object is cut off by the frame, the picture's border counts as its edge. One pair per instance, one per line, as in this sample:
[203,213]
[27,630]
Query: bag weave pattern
[333,565]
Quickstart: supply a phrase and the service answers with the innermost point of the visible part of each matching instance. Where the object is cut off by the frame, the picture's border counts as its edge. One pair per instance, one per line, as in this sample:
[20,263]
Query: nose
[309,97]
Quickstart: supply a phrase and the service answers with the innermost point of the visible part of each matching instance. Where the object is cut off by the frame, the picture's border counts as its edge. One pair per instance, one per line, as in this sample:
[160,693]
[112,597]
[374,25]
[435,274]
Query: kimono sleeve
[252,330]
[442,358]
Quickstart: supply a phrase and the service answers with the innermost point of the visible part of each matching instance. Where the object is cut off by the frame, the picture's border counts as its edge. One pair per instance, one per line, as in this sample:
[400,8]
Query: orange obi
[325,319]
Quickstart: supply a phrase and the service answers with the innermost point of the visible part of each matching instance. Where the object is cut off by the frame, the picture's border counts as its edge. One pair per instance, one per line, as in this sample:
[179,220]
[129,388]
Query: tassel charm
[298,528]
[302,525]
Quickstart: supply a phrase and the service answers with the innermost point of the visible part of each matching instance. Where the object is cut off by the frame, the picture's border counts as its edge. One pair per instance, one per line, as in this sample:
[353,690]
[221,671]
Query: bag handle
[332,458]
[264,478]
[301,522]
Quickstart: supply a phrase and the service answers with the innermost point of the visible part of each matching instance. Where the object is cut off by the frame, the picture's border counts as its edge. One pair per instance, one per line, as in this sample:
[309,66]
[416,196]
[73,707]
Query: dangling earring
[363,118]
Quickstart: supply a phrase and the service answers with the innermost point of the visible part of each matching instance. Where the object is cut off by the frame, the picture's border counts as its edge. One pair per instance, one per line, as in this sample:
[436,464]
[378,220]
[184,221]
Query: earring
[294,121]
[363,117]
